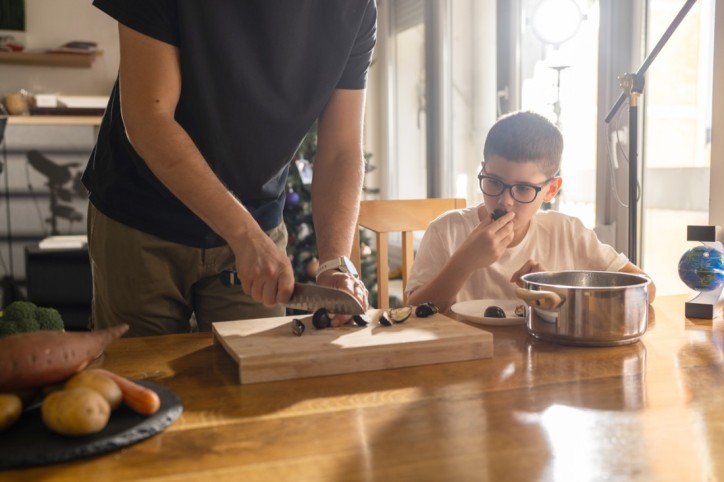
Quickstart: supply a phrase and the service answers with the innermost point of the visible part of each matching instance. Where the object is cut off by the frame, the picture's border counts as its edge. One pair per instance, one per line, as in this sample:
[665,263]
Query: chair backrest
[397,216]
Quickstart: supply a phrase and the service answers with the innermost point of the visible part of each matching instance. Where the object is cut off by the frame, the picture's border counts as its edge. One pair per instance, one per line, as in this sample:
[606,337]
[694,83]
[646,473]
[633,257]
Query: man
[187,177]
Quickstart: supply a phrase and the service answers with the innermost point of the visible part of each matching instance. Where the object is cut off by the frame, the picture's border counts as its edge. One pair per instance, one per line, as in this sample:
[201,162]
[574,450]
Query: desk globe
[702,268]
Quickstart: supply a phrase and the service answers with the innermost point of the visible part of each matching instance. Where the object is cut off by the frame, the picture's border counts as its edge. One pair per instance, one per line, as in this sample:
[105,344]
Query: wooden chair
[392,216]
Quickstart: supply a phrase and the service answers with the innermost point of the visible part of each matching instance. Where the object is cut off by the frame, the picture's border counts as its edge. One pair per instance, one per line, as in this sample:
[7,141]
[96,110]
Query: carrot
[29,360]
[139,398]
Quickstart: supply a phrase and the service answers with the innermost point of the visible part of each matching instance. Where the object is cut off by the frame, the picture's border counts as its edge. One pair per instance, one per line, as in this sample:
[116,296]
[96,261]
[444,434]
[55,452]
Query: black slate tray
[29,443]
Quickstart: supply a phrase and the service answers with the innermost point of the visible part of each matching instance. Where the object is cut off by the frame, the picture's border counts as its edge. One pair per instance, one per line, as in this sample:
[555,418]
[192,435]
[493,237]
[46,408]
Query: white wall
[51,23]
[716,193]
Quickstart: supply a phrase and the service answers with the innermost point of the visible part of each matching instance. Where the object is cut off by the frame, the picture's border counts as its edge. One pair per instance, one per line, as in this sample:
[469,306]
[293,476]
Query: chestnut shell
[361,320]
[497,213]
[321,319]
[298,327]
[494,312]
[384,321]
[425,309]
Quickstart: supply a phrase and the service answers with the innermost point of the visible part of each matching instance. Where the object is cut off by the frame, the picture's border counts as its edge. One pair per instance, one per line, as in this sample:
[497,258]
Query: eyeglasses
[522,193]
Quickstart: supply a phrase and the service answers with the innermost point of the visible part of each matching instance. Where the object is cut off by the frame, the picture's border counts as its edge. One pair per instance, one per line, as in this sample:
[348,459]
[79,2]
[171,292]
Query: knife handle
[229,278]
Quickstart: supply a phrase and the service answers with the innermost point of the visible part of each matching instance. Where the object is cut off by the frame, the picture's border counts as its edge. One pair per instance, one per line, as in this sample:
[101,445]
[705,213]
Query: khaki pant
[156,286]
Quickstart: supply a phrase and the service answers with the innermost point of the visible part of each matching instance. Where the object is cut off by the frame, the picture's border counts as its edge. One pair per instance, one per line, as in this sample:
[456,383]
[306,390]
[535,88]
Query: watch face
[348,267]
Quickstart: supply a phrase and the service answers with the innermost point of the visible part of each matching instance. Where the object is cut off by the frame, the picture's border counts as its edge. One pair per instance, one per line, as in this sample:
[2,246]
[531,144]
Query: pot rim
[643,280]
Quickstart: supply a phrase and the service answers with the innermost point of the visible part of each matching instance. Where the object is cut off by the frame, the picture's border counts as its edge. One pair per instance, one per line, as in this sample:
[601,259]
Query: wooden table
[535,411]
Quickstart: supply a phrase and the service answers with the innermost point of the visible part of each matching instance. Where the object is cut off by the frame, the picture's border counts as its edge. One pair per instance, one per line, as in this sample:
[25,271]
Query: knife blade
[310,297]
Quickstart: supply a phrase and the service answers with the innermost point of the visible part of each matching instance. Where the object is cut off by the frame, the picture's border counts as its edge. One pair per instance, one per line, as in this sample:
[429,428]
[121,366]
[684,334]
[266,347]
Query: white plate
[473,311]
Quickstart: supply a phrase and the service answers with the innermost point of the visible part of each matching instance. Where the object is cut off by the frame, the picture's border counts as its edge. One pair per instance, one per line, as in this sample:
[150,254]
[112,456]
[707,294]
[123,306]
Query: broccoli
[20,310]
[49,319]
[10,327]
[25,316]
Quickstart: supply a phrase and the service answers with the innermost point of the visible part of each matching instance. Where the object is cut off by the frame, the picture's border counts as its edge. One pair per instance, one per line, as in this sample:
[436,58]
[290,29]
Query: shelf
[77,120]
[49,59]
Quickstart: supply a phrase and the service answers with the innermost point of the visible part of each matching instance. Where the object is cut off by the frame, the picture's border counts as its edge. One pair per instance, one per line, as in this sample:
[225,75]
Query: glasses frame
[537,187]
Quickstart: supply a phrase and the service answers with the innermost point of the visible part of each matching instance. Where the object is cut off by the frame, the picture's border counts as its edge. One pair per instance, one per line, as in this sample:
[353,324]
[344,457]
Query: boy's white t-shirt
[557,241]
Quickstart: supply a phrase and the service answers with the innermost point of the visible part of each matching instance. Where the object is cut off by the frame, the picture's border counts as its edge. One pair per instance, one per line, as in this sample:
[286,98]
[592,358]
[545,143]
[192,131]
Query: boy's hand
[486,242]
[530,266]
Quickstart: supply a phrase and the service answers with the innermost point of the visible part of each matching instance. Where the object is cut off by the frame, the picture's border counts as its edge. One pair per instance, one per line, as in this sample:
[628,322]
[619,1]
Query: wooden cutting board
[266,349]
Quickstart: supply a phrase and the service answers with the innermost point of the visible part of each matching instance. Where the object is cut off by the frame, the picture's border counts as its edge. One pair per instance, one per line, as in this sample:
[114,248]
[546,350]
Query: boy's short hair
[526,136]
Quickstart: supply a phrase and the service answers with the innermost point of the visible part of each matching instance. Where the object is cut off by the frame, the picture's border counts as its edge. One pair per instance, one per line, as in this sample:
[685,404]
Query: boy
[482,251]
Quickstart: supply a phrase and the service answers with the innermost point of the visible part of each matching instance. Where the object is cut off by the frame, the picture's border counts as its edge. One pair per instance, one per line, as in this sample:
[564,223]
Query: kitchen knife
[310,297]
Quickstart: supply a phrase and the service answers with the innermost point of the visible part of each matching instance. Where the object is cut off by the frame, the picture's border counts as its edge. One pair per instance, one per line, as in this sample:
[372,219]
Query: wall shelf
[49,59]
[39,120]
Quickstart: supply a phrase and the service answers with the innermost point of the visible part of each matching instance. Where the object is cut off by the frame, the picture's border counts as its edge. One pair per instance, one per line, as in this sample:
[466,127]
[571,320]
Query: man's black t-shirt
[255,76]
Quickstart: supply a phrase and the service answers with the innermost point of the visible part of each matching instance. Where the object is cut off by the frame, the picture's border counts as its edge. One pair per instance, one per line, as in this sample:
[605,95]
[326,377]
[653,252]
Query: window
[677,137]
[407,164]
[559,69]
[498,62]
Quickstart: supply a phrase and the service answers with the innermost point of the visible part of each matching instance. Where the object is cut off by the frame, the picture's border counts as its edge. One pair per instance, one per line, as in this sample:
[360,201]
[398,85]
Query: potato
[100,383]
[10,409]
[75,411]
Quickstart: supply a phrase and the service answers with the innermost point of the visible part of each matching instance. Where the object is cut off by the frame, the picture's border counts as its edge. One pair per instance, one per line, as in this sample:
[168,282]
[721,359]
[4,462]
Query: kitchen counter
[653,410]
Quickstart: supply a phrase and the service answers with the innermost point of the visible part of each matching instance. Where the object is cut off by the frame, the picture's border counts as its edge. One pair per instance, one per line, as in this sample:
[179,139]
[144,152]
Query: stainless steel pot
[593,308]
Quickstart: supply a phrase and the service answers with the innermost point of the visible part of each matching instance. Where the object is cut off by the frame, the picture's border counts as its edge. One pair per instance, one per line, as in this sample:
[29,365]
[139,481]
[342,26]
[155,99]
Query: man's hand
[344,282]
[530,266]
[265,272]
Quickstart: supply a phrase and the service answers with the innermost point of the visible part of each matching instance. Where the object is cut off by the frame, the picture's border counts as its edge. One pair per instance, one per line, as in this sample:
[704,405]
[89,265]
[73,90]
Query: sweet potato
[139,398]
[35,359]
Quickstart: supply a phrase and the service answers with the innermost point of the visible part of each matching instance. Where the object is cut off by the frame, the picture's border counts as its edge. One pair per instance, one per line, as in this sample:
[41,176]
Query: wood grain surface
[535,411]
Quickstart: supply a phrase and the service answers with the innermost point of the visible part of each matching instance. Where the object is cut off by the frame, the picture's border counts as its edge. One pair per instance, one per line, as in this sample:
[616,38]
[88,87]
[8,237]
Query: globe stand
[706,304]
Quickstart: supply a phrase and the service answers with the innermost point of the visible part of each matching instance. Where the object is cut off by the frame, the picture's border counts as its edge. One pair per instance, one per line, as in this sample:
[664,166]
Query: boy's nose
[506,198]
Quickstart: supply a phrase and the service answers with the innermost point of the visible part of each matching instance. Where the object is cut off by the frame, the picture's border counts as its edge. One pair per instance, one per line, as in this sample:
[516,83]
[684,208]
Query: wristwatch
[343,264]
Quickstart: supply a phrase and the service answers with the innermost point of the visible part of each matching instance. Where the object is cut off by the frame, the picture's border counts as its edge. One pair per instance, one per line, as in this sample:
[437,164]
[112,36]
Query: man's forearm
[338,173]
[336,192]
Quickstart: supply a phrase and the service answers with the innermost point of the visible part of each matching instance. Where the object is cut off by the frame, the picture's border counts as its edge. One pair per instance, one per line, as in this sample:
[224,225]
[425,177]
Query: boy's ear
[553,187]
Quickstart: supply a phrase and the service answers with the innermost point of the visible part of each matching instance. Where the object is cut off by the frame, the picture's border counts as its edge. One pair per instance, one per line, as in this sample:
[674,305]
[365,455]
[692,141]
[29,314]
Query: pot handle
[547,300]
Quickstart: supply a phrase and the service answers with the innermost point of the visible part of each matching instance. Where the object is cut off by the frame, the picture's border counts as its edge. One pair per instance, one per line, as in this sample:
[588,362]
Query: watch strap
[341,263]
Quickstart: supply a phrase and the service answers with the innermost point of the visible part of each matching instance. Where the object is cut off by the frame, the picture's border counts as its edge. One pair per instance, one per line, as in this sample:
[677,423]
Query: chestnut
[494,312]
[321,319]
[498,213]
